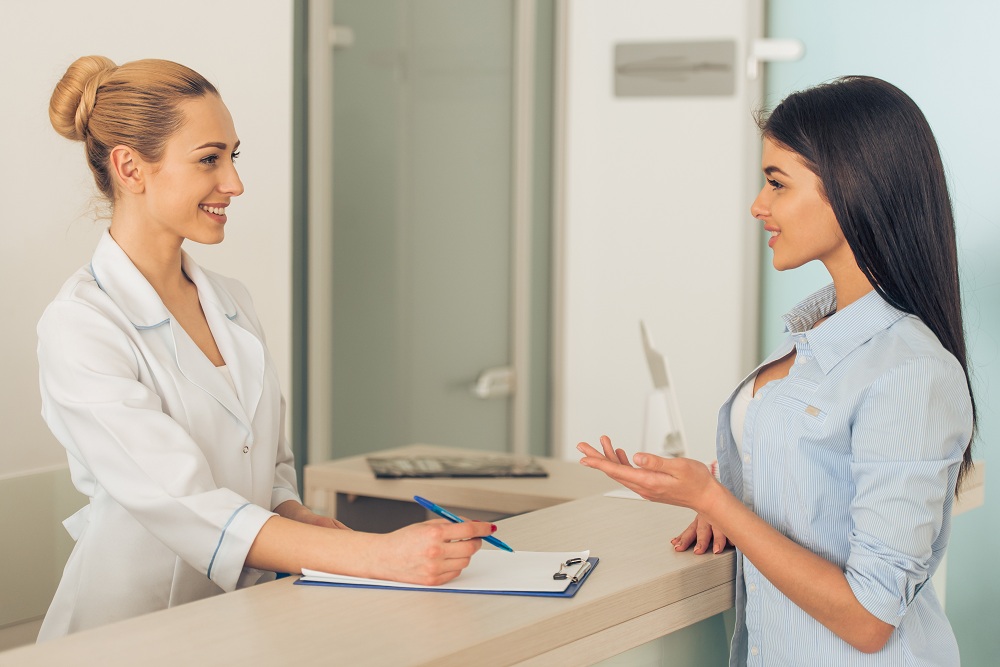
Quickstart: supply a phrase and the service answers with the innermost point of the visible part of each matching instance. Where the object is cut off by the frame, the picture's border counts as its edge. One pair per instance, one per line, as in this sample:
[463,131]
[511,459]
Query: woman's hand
[675,481]
[429,553]
[701,533]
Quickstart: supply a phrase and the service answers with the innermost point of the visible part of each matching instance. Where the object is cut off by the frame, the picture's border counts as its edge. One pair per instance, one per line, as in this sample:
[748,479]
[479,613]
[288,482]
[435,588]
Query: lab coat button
[246,449]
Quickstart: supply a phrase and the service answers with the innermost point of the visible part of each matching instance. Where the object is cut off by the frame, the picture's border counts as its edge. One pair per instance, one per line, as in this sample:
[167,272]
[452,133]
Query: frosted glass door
[421,222]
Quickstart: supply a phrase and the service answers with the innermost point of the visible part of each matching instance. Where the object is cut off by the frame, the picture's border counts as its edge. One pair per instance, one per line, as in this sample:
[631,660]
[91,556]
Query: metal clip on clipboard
[580,571]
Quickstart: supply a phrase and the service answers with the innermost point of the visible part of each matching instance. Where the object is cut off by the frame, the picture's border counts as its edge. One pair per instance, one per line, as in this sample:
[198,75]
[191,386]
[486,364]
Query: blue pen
[440,511]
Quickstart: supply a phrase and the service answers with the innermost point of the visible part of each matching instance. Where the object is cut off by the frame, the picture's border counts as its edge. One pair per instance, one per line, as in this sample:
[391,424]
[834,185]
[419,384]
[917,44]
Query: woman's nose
[759,208]
[232,185]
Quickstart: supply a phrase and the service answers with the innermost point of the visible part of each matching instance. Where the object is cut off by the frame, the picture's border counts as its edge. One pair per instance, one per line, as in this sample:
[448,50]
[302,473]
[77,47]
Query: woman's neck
[157,256]
[850,283]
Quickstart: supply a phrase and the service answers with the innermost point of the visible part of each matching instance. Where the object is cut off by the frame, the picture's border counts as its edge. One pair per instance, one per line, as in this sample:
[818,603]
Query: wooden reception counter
[640,590]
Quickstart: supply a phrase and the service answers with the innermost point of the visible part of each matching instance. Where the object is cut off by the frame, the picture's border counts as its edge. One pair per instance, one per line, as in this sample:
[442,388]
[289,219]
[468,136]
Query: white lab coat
[181,472]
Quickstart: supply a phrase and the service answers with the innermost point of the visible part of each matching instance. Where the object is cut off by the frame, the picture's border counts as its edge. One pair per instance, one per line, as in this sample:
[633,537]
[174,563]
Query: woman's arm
[296,511]
[816,585]
[429,553]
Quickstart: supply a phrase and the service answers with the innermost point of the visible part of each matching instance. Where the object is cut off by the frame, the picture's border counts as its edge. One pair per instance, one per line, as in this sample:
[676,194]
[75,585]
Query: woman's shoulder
[909,348]
[83,324]
[81,292]
[910,339]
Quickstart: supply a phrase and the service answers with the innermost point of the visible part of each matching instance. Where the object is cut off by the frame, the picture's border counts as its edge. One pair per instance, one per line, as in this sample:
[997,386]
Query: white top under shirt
[738,410]
[232,385]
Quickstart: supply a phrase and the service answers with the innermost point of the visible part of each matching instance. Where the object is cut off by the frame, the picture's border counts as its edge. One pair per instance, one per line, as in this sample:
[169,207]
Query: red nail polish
[493,528]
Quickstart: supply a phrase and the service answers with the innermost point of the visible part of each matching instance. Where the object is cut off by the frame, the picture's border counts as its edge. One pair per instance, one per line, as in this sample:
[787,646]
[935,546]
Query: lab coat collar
[128,288]
[240,347]
[118,277]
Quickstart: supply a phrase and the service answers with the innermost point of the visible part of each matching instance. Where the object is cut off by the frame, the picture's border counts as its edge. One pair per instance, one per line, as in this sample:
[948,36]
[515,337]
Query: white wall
[655,225]
[245,49]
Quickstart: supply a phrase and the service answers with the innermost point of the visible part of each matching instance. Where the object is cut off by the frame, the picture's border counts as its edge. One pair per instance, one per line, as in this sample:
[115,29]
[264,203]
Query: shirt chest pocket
[796,399]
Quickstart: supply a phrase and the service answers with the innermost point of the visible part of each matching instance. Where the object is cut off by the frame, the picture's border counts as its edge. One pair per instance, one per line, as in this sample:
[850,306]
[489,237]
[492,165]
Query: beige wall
[49,230]
[47,218]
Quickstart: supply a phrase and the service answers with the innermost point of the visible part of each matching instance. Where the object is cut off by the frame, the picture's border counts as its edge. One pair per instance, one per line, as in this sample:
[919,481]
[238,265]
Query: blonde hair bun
[137,104]
[76,93]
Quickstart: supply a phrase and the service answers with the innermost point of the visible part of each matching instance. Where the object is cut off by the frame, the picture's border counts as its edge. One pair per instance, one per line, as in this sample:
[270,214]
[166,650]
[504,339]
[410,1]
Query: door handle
[772,50]
[496,382]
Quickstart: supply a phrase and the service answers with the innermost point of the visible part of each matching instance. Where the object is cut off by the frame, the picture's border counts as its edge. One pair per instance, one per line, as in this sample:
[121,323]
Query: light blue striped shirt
[854,455]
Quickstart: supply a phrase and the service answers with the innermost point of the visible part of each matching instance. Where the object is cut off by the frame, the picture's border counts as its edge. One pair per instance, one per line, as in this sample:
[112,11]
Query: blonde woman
[156,379]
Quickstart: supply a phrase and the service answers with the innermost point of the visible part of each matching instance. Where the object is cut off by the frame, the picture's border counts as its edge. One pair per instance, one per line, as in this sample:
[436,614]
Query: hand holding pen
[440,511]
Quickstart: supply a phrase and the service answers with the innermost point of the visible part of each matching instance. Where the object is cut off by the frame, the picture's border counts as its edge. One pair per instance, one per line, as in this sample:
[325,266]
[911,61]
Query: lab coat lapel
[241,348]
[197,368]
[244,355]
[118,277]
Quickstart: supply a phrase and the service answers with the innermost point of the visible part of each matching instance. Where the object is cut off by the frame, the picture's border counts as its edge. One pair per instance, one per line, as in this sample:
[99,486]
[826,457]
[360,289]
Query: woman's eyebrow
[774,170]
[221,145]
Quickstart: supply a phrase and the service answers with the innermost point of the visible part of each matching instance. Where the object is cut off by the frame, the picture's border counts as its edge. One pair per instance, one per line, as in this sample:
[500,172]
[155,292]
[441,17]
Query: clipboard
[531,580]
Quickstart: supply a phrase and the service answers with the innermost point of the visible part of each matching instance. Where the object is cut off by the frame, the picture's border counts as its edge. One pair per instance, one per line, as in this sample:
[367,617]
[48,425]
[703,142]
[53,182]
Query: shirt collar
[845,330]
[118,277]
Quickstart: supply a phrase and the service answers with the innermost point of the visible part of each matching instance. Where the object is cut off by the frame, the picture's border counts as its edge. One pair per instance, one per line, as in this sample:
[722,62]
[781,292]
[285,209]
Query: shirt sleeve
[114,425]
[908,438]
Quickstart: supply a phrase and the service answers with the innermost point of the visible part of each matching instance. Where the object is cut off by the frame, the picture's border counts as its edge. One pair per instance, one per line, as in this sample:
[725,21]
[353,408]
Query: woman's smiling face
[795,211]
[187,192]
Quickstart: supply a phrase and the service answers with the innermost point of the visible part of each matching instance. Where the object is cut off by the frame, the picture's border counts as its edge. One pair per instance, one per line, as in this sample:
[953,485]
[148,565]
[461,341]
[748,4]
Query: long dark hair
[881,172]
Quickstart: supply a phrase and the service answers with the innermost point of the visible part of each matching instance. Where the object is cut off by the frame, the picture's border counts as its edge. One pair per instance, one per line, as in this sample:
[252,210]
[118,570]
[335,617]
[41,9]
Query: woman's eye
[774,184]
[209,159]
[236,154]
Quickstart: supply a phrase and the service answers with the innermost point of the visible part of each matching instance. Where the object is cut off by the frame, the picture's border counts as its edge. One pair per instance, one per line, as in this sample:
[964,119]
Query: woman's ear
[127,169]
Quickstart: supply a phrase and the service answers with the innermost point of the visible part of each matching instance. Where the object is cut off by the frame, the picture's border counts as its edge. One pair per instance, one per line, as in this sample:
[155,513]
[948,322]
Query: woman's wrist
[712,500]
[292,509]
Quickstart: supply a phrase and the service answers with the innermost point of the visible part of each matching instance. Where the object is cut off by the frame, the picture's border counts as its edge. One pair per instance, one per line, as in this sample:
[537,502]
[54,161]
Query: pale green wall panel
[35,505]
[944,56]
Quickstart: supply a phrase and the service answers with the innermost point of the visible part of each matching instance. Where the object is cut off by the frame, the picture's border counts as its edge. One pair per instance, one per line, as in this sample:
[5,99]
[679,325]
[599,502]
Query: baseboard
[21,634]
[36,545]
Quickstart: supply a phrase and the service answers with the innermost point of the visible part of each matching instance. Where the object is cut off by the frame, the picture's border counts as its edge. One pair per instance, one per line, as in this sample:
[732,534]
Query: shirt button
[245,449]
[754,650]
[803,360]
[746,458]
[752,587]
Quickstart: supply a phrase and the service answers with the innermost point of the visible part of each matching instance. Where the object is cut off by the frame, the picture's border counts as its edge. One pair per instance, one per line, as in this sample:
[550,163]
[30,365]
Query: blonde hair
[136,105]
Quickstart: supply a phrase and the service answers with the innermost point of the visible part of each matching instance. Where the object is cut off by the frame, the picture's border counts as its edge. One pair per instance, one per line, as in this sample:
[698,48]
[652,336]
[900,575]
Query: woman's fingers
[623,457]
[587,450]
[718,541]
[686,538]
[454,532]
[705,535]
[609,450]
